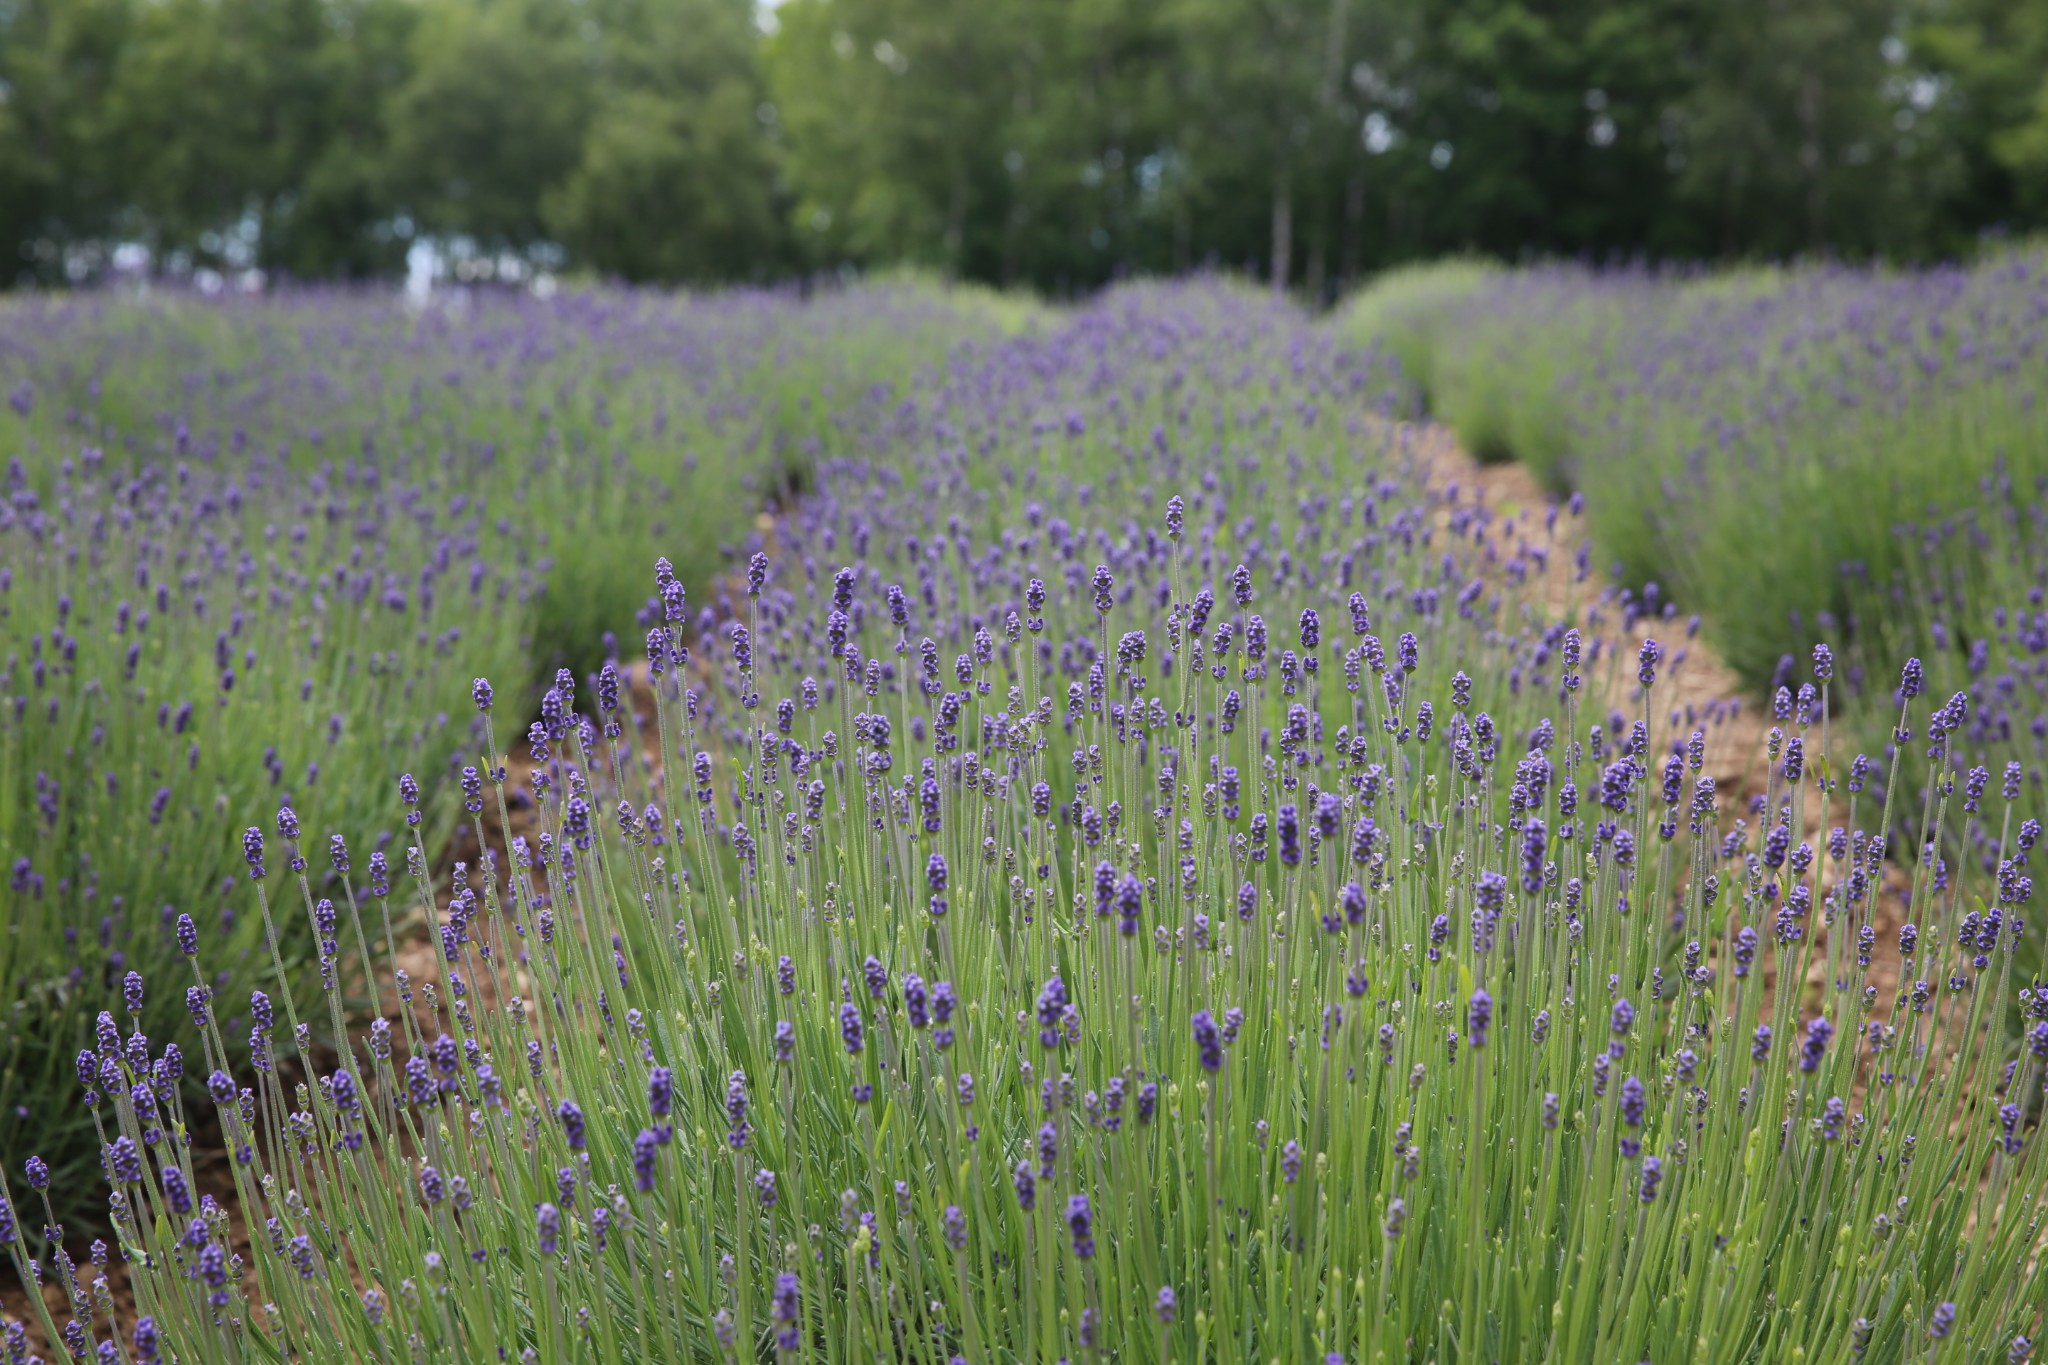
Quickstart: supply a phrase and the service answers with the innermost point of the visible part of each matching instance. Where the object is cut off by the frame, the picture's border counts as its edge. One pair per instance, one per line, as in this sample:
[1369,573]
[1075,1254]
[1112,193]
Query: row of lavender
[252,550]
[1816,439]
[1134,876]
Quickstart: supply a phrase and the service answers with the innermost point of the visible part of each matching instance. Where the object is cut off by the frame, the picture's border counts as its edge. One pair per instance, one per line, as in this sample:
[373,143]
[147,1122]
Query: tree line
[1054,143]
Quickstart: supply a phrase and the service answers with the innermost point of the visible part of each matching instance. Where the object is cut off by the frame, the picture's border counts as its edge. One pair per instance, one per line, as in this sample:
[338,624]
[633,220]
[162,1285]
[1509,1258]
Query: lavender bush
[1973,587]
[606,426]
[1131,875]
[1751,437]
[298,525]
[176,646]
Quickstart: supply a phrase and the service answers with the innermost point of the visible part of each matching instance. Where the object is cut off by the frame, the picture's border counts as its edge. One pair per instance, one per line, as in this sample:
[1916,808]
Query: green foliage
[1058,144]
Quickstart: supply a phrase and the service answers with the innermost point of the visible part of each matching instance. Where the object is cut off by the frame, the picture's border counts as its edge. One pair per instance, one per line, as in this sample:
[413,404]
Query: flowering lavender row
[1130,873]
[604,426]
[179,646]
[1974,597]
[1752,441]
[298,526]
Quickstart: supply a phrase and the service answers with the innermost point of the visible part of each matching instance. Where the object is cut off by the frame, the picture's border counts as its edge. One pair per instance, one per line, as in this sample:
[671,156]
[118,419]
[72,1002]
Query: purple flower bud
[1478,1017]
[646,1149]
[1208,1042]
[661,1084]
[787,1310]
[547,1224]
[1081,1225]
[572,1124]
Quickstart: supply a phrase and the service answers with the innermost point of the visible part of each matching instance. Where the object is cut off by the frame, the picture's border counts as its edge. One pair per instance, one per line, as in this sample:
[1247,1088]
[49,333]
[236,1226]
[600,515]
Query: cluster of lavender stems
[1804,453]
[181,643]
[251,549]
[1135,871]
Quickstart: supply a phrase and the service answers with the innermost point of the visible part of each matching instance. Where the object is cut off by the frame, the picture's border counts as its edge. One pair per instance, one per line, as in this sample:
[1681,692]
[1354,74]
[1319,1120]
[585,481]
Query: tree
[490,118]
[675,178]
[60,188]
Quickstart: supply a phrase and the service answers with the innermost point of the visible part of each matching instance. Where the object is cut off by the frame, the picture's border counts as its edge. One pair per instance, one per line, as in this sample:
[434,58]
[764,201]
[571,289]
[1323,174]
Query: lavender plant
[299,524]
[607,426]
[1753,437]
[176,646]
[1130,875]
[1972,587]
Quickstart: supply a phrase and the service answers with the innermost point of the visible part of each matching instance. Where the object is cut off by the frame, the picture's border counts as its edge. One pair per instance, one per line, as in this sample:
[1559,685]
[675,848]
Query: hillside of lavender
[906,825]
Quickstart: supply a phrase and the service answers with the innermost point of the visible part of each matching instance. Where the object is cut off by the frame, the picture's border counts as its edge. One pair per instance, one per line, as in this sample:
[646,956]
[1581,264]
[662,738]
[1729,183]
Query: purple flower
[1208,1042]
[123,1162]
[1287,828]
[1478,1017]
[1052,1006]
[1817,1034]
[661,1089]
[572,1124]
[736,1108]
[646,1149]
[787,1310]
[1081,1225]
[147,1348]
[547,1226]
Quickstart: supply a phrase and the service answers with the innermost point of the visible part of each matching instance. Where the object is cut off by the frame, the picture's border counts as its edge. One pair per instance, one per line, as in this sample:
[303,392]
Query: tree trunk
[1283,233]
[956,226]
[1354,226]
[1813,160]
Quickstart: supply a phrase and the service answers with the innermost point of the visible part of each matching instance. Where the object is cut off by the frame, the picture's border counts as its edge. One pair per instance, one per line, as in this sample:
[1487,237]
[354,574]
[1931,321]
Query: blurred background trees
[1055,143]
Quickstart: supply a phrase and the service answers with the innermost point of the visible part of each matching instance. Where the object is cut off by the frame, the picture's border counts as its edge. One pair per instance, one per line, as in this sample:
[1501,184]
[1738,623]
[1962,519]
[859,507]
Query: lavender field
[908,825]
